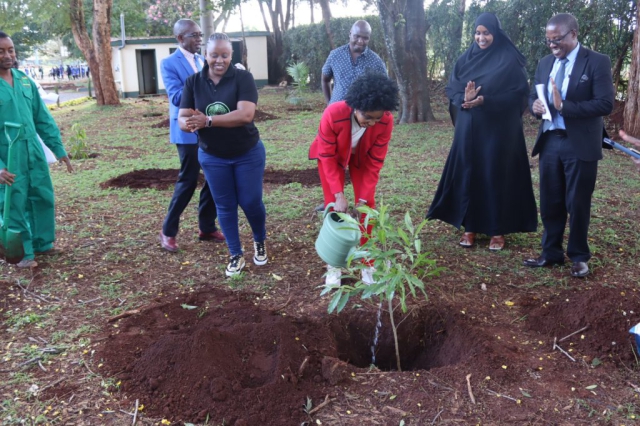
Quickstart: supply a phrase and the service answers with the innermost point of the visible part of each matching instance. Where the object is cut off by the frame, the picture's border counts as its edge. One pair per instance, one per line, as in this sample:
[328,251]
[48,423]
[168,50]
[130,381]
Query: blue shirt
[344,71]
[558,120]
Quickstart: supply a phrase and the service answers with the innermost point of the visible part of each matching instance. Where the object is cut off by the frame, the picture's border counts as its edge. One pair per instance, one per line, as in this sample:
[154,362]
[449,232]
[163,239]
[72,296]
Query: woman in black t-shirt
[219,103]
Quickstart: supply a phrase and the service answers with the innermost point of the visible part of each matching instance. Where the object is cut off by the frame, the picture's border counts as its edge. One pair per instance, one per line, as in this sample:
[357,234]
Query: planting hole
[427,338]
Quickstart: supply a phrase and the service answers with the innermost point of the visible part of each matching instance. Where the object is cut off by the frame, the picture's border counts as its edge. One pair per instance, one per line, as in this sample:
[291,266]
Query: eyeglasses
[556,40]
[193,35]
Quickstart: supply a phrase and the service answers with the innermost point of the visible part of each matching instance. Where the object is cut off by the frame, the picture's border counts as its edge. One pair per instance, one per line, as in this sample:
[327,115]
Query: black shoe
[579,269]
[540,261]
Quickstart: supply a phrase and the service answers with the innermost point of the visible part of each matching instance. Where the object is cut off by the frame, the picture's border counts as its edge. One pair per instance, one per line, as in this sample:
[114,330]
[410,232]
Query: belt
[556,132]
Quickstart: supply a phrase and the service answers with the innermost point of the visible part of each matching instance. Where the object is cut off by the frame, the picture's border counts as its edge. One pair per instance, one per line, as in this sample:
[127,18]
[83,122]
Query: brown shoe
[168,243]
[215,236]
[468,238]
[496,243]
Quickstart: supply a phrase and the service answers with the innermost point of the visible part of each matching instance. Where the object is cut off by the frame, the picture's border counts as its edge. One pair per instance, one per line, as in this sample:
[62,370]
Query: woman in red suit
[355,133]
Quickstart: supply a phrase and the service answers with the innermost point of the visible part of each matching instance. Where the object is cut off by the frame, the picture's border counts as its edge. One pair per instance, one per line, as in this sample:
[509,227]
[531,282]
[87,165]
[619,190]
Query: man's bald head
[361,25]
[188,34]
[359,36]
[182,26]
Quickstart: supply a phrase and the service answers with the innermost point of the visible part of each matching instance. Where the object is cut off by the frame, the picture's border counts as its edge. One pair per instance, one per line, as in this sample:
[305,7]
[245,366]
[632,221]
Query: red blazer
[332,148]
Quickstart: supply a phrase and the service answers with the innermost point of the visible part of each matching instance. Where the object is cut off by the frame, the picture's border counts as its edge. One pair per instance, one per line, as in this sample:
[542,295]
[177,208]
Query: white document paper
[51,158]
[541,90]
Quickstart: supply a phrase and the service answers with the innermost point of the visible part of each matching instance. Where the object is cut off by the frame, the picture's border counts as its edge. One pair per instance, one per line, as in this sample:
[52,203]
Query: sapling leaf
[327,288]
[418,245]
[334,300]
[343,301]
[382,236]
[404,236]
[524,393]
[408,223]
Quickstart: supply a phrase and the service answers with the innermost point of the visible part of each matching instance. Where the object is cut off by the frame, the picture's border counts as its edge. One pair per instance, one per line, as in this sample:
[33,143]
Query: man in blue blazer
[579,91]
[184,62]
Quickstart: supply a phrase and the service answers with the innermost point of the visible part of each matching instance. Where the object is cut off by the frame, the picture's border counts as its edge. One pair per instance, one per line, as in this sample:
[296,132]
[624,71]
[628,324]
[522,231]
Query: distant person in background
[32,200]
[346,63]
[486,182]
[220,103]
[355,133]
[41,71]
[625,137]
[175,69]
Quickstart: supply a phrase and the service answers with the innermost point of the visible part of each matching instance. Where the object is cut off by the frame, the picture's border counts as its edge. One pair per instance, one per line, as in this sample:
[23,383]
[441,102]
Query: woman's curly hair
[373,91]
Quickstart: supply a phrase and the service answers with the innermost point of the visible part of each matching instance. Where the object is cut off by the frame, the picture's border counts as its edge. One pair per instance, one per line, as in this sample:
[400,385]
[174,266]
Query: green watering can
[337,239]
[10,240]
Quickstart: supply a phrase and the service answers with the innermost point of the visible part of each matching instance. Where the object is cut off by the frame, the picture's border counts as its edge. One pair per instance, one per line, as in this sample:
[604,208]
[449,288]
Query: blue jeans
[237,182]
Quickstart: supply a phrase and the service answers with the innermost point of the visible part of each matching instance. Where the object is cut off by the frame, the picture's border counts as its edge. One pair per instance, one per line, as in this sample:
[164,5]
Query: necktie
[198,62]
[559,79]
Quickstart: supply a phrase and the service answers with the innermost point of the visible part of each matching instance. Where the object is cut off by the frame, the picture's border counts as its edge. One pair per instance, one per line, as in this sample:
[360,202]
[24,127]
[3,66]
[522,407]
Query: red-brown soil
[166,178]
[146,179]
[215,354]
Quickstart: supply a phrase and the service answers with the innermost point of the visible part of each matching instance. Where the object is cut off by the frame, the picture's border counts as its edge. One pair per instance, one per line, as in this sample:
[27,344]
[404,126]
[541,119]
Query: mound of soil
[161,124]
[166,178]
[606,324]
[146,179]
[263,116]
[306,177]
[216,354]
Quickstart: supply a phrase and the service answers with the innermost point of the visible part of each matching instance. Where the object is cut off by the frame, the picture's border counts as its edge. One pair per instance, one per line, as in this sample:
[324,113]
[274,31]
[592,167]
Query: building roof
[235,36]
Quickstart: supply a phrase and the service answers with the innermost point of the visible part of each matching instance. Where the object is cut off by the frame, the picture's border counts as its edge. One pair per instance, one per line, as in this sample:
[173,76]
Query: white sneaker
[235,265]
[260,253]
[333,276]
[367,275]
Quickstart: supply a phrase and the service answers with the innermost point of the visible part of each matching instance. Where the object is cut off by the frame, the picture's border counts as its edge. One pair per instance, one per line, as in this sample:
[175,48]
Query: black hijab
[490,68]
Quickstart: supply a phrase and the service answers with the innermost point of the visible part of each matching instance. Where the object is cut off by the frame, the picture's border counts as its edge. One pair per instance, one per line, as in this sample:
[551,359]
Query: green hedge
[310,43]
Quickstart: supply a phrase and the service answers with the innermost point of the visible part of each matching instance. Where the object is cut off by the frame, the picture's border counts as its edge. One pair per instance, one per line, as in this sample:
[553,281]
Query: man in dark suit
[579,91]
[175,69]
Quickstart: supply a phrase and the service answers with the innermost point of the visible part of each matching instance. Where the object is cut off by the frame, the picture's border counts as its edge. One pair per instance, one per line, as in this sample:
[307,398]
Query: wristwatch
[560,110]
[209,121]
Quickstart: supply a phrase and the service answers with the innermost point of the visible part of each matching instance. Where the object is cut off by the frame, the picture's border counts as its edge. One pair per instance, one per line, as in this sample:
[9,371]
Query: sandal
[468,238]
[496,243]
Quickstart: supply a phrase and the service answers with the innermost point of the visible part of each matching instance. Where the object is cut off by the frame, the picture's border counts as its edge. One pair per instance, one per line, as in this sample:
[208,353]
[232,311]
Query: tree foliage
[605,25]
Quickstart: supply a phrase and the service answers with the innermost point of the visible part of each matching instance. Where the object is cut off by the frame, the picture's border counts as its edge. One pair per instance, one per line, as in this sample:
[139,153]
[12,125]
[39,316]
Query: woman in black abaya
[486,183]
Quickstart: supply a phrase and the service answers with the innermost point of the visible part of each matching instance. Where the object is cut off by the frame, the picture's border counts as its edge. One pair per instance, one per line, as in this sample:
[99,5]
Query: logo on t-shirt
[217,108]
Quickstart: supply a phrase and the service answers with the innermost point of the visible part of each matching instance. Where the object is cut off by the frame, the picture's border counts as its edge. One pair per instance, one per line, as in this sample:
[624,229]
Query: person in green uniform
[32,201]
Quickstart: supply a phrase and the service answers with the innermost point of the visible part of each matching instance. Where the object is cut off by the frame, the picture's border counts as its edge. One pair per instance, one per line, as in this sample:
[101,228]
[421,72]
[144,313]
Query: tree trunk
[276,68]
[206,22]
[326,17]
[313,20]
[222,18]
[632,107]
[618,64]
[81,37]
[405,33]
[264,17]
[102,40]
[456,34]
